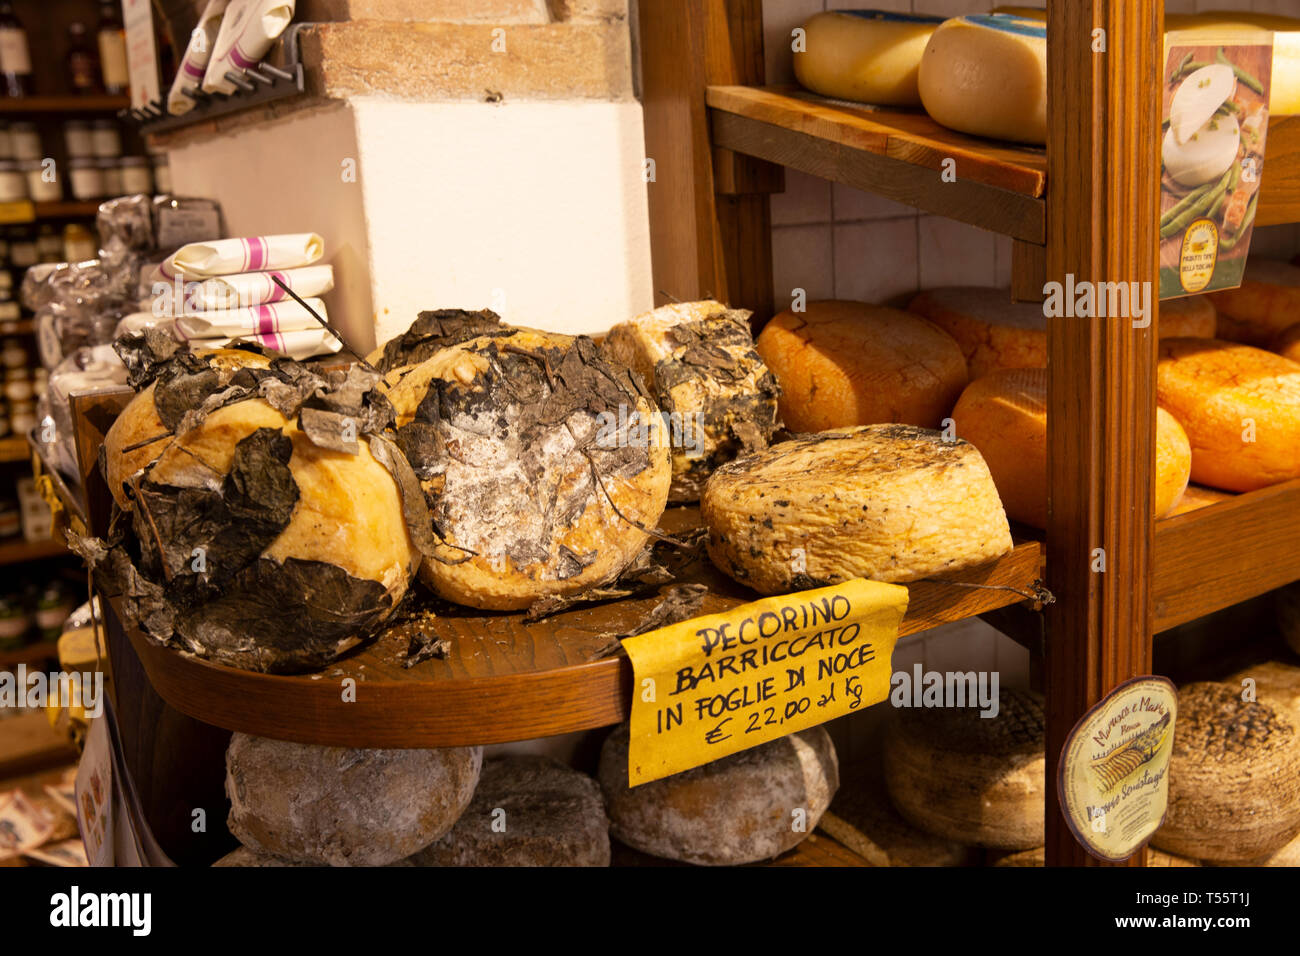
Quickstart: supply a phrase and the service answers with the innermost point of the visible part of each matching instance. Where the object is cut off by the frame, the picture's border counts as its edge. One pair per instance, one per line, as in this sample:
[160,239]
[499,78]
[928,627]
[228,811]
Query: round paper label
[1113,779]
[1198,255]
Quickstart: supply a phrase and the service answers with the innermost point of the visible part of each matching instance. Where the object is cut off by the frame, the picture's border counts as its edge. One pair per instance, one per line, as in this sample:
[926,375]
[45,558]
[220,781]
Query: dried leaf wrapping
[436,330]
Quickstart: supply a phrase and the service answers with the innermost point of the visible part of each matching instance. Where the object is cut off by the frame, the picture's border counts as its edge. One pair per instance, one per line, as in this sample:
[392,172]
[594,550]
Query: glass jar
[136,175]
[13,182]
[12,353]
[40,188]
[15,622]
[111,174]
[162,174]
[25,141]
[78,243]
[48,245]
[22,417]
[105,139]
[18,385]
[77,139]
[87,179]
[6,142]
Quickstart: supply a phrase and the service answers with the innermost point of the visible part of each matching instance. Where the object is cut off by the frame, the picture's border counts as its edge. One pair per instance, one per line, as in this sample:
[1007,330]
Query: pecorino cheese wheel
[1288,343]
[1288,615]
[1004,415]
[987,74]
[343,807]
[865,55]
[846,363]
[969,778]
[718,398]
[994,333]
[527,811]
[1234,778]
[1265,304]
[1038,857]
[740,809]
[886,502]
[245,857]
[541,472]
[1277,684]
[1240,407]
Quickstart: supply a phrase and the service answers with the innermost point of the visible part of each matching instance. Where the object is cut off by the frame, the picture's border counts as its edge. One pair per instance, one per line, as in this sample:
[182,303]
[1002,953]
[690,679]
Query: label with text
[714,686]
[1113,780]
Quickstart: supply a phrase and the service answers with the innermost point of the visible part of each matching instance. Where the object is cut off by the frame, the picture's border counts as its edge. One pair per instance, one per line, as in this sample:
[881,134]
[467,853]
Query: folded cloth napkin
[296,345]
[220,257]
[241,290]
[258,319]
[247,32]
[198,53]
[139,321]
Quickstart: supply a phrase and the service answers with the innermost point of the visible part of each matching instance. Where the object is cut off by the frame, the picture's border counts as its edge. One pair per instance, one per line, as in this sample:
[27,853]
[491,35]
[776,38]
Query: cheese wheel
[717,397]
[846,363]
[977,780]
[1288,343]
[1240,407]
[740,809]
[1234,777]
[1274,683]
[865,55]
[1038,857]
[1263,307]
[1288,615]
[994,333]
[336,806]
[1004,415]
[538,459]
[886,502]
[526,811]
[987,74]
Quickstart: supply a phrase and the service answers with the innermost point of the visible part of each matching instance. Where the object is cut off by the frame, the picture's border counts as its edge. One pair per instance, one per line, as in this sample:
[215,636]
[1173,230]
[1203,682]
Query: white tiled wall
[832,240]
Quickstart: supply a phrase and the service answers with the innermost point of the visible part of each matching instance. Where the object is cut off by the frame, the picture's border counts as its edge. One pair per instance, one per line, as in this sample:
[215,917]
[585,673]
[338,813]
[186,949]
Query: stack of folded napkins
[212,293]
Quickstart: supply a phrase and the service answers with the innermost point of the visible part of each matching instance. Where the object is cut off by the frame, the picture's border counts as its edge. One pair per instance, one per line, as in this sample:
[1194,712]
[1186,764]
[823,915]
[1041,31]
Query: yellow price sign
[714,686]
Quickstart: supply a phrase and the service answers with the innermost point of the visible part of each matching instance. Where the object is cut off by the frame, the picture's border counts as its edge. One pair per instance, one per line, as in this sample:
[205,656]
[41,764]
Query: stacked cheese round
[978,780]
[843,363]
[1240,407]
[1004,415]
[987,74]
[1288,343]
[886,502]
[1234,777]
[1263,307]
[993,332]
[865,55]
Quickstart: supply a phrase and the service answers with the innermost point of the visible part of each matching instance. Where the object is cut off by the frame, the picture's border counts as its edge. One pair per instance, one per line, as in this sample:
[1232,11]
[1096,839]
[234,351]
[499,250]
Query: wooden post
[1104,62]
[709,235]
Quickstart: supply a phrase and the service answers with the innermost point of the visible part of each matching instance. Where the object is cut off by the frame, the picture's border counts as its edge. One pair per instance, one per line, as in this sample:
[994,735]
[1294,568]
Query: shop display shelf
[31,654]
[17,551]
[31,105]
[14,448]
[504,679]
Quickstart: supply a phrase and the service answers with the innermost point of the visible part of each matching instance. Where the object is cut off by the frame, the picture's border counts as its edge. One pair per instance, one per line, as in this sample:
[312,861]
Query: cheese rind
[865,55]
[886,502]
[842,363]
[1264,306]
[986,74]
[1240,408]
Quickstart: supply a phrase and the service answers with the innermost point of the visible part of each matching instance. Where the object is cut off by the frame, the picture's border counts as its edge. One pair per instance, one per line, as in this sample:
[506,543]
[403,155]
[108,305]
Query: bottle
[83,63]
[15,61]
[112,48]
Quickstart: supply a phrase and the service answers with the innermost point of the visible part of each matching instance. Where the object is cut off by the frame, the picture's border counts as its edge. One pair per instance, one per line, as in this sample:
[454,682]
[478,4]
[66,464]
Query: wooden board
[819,849]
[19,550]
[504,679]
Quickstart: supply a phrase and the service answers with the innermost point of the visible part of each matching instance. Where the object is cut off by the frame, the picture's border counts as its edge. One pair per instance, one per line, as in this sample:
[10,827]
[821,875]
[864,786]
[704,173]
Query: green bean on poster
[1241,74]
[1183,218]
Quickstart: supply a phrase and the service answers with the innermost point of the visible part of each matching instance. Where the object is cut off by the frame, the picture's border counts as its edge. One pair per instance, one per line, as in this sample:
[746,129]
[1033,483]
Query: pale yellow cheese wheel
[866,55]
[1264,306]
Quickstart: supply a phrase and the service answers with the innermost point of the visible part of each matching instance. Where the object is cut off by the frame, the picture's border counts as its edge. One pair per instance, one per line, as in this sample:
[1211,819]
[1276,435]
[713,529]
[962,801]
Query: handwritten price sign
[714,686]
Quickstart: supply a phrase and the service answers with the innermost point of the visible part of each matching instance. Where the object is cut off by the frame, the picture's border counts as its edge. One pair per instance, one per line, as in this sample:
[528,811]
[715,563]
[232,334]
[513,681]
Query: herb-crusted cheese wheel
[845,363]
[995,333]
[698,361]
[886,502]
[336,806]
[1288,343]
[1234,778]
[1240,407]
[865,55]
[527,811]
[1272,682]
[978,780]
[1264,306]
[735,810]
[540,475]
[987,74]
[1004,415]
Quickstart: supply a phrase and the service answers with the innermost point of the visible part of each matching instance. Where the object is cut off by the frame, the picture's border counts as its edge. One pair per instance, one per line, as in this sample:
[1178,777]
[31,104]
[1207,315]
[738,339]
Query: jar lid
[31,165]
[23,127]
[104,124]
[161,159]
[83,162]
[76,124]
[106,163]
[133,161]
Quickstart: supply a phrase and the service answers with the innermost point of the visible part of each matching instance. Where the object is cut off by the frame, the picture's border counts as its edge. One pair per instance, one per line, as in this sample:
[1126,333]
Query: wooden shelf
[899,154]
[503,680]
[16,550]
[29,744]
[14,448]
[28,105]
[31,654]
[24,210]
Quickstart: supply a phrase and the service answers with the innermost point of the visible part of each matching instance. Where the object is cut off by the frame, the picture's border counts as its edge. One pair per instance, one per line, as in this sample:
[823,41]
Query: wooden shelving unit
[14,448]
[31,654]
[17,551]
[72,105]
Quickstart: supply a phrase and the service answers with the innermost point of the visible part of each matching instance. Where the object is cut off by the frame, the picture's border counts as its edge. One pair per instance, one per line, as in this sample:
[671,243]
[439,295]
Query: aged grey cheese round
[750,806]
[886,502]
[1234,779]
[968,778]
[717,397]
[344,807]
[527,811]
